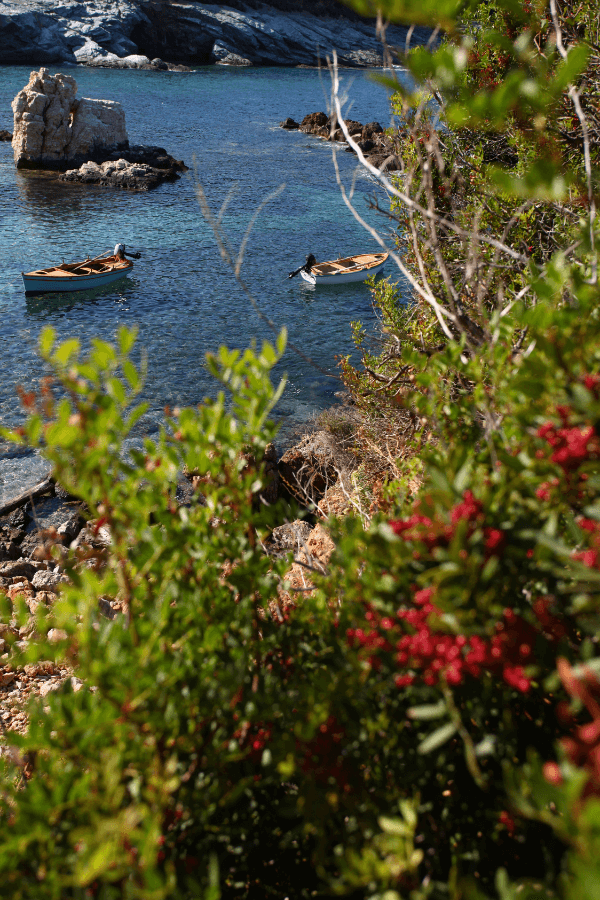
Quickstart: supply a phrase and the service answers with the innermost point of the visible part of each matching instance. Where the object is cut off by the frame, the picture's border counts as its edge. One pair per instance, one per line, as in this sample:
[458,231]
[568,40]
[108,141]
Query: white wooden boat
[91,273]
[346,270]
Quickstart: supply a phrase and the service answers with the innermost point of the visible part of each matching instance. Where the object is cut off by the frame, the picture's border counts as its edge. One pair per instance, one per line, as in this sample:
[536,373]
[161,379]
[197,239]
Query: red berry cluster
[572,445]
[416,645]
[434,533]
[431,655]
[582,746]
[322,756]
[254,737]
[591,556]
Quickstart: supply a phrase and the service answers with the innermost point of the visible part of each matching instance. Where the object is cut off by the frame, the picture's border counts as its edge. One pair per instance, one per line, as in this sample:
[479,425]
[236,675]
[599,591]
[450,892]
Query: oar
[88,261]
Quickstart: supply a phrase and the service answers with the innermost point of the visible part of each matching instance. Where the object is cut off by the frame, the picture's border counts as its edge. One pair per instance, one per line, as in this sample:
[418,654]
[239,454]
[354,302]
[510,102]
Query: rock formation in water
[56,130]
[376,145]
[52,127]
[135,169]
[138,33]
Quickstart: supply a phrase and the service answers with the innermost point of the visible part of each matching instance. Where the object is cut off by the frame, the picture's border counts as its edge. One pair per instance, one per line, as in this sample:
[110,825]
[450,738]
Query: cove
[224,123]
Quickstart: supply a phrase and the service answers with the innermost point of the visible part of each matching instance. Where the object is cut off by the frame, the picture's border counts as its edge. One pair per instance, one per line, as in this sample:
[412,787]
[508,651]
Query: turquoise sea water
[181,295]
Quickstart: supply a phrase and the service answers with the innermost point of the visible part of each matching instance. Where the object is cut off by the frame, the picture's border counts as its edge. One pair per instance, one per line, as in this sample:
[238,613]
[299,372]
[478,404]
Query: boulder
[120,174]
[54,128]
[313,121]
[17,568]
[69,530]
[370,130]
[309,468]
[291,536]
[312,557]
[290,124]
[222,55]
[5,135]
[9,550]
[47,581]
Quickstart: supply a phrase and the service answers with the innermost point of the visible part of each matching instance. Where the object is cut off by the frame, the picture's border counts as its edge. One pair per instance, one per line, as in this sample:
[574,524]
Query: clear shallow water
[181,296]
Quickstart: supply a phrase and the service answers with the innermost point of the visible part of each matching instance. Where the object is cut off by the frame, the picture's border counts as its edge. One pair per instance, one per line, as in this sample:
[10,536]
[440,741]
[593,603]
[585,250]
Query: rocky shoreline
[173,35]
[45,523]
[377,146]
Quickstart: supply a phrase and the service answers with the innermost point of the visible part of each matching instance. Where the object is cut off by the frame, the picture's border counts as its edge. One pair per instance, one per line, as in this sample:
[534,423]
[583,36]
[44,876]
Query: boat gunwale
[377,259]
[56,272]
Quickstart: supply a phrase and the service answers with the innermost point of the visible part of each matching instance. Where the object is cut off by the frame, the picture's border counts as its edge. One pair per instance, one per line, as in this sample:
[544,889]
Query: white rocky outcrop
[52,127]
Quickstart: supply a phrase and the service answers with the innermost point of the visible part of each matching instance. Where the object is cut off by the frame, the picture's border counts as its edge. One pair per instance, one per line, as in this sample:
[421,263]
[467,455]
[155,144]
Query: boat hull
[345,270]
[342,277]
[40,284]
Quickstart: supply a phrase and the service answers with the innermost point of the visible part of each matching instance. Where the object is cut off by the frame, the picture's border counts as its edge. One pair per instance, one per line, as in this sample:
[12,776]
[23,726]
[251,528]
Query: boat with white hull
[344,270]
[82,276]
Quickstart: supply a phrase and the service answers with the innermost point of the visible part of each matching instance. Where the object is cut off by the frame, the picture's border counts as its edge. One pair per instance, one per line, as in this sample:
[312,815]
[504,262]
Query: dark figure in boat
[310,262]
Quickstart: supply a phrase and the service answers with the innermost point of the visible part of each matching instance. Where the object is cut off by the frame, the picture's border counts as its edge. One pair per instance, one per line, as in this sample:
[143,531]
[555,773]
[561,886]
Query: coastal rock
[313,122]
[289,536]
[35,31]
[225,56]
[9,550]
[118,174]
[279,33]
[69,530]
[371,139]
[109,32]
[289,124]
[139,169]
[47,581]
[5,135]
[370,130]
[312,556]
[309,468]
[53,127]
[87,138]
[21,568]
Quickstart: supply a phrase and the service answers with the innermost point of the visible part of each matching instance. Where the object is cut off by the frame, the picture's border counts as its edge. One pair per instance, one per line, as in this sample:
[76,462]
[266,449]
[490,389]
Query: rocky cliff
[139,33]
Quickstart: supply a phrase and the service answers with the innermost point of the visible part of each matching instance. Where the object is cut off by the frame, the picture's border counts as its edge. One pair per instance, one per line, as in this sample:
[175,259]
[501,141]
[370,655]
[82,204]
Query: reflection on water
[181,297]
[45,306]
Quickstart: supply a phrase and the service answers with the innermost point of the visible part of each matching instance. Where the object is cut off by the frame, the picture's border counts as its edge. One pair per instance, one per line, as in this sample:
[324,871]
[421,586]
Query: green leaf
[437,738]
[570,68]
[66,351]
[428,711]
[47,338]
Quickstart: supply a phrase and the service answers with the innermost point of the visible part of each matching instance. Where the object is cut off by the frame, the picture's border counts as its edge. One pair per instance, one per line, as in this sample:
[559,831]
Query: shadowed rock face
[132,33]
[53,127]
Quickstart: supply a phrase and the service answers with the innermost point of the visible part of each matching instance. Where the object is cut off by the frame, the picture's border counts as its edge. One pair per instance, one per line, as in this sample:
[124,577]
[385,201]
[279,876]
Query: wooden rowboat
[91,273]
[346,270]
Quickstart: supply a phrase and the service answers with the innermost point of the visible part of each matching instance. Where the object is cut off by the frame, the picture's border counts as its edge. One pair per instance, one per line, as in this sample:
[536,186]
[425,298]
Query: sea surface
[224,123]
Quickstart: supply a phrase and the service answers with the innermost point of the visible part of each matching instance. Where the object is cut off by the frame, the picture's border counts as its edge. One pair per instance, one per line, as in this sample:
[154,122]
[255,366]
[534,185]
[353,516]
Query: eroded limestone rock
[53,128]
